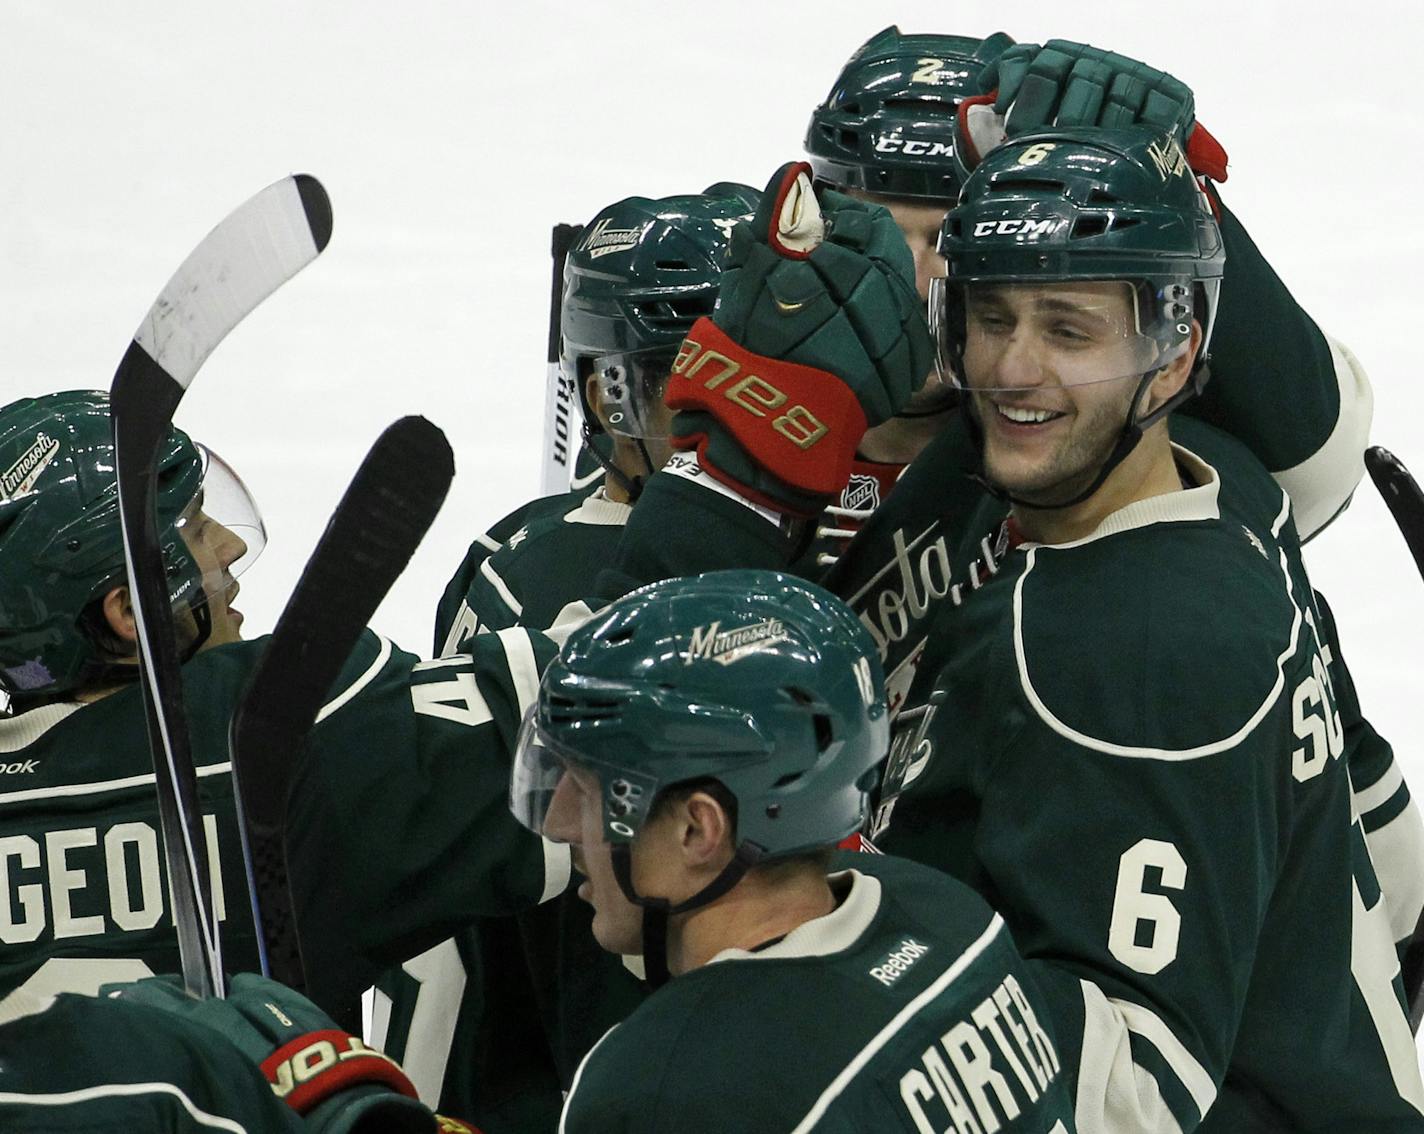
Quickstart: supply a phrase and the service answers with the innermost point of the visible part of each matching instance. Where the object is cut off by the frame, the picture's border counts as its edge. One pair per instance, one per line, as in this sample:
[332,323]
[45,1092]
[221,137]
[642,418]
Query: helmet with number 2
[887,126]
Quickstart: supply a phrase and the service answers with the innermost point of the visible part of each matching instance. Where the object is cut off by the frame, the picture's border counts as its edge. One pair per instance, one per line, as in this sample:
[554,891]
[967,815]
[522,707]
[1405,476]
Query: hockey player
[636,280]
[144,1058]
[887,133]
[1116,719]
[704,744]
[424,746]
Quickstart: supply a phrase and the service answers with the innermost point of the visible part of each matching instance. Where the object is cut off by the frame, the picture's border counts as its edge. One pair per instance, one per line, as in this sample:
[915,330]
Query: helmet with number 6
[887,126]
[61,546]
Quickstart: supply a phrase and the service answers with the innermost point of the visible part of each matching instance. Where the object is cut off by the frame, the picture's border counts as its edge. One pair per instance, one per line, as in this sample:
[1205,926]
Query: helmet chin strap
[657,911]
[631,485]
[1132,430]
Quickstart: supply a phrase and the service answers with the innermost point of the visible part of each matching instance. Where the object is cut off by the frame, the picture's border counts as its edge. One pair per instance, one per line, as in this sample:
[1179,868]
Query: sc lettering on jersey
[84,881]
[755,395]
[984,1071]
[1314,717]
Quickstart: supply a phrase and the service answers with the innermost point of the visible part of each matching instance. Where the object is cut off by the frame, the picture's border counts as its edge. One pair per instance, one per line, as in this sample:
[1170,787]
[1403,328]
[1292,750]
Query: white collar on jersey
[596,508]
[1199,503]
[20,732]
[836,932]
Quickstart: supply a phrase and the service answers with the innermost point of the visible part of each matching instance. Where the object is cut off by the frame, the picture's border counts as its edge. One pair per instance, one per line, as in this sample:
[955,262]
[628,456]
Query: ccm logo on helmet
[755,395]
[912,147]
[1033,229]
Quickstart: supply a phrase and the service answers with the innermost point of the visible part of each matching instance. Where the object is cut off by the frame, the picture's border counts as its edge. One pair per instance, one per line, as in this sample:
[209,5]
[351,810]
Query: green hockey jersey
[84,1065]
[514,573]
[399,828]
[492,1023]
[906,1008]
[1131,745]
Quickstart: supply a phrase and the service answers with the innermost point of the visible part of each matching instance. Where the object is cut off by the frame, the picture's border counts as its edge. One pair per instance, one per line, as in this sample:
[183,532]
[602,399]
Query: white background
[451,136]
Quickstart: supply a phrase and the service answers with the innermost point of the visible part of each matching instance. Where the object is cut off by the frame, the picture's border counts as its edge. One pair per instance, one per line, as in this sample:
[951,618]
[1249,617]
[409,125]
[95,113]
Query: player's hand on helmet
[1062,83]
[335,1081]
[818,334]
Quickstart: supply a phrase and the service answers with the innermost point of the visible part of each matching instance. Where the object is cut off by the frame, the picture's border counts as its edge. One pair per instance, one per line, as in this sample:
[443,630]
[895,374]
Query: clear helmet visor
[1010,338]
[221,527]
[551,787]
[631,385]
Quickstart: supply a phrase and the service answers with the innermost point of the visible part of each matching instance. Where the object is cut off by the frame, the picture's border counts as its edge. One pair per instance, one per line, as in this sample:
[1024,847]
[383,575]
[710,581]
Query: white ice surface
[451,136]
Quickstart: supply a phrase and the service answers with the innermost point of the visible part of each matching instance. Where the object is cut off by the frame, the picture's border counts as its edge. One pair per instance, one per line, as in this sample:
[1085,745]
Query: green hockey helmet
[762,682]
[1086,204]
[887,126]
[638,276]
[61,545]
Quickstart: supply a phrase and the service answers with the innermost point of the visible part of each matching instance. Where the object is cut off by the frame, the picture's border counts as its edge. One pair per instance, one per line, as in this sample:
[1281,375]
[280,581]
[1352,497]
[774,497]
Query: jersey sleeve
[685,523]
[399,824]
[1299,399]
[455,622]
[1394,831]
[85,1065]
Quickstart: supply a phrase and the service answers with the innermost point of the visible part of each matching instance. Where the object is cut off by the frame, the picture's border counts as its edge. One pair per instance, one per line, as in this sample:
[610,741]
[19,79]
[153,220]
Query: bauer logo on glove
[817,335]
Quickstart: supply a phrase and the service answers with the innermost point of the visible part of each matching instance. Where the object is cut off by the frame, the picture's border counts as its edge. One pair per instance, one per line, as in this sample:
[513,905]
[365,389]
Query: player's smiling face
[575,816]
[215,549]
[1052,369]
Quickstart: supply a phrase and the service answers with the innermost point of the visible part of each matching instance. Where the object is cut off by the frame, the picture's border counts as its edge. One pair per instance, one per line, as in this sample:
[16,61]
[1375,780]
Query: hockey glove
[1062,83]
[818,333]
[335,1081]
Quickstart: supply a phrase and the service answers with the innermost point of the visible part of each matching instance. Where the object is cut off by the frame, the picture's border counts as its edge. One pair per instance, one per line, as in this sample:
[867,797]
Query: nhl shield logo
[862,494]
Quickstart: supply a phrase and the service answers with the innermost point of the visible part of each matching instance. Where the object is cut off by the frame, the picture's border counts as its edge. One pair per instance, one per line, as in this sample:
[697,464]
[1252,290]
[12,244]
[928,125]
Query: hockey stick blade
[256,248]
[390,504]
[1406,504]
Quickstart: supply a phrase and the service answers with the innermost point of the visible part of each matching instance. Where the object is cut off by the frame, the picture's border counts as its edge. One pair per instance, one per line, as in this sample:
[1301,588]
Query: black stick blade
[390,504]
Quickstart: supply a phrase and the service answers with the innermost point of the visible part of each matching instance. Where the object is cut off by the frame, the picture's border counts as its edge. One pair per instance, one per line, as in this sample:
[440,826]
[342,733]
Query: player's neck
[750,915]
[1149,470]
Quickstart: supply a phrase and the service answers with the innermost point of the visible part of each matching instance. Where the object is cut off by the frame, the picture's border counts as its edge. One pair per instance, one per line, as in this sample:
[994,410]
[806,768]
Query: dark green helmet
[1086,204]
[887,127]
[61,546]
[638,276]
[762,682]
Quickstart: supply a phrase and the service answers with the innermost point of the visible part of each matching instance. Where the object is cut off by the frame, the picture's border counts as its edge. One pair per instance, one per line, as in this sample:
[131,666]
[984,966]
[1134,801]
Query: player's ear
[707,832]
[1176,373]
[119,615]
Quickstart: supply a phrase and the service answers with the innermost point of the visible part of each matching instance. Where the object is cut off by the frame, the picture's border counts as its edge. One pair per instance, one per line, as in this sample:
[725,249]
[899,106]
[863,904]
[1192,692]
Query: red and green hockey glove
[1063,83]
[337,1083]
[818,334]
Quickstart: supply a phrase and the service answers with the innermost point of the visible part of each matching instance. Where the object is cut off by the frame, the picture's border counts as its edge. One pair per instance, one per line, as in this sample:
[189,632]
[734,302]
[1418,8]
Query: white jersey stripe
[112,1090]
[1115,1095]
[516,608]
[901,1018]
[1367,799]
[383,655]
[62,790]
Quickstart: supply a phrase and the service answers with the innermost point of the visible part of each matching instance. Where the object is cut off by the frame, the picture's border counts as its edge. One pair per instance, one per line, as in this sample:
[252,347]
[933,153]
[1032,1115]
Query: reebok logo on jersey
[20,477]
[897,963]
[19,768]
